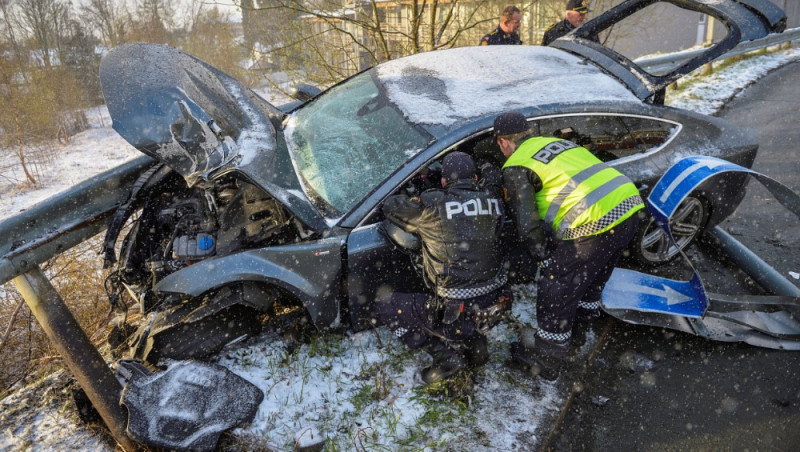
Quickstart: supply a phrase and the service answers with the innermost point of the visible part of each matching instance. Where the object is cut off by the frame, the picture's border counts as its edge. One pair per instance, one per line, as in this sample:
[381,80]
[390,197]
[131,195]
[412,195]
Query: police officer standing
[576,215]
[506,32]
[575,16]
[459,227]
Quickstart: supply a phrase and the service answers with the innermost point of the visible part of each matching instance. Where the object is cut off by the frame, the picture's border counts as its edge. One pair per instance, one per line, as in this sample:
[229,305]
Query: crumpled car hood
[199,121]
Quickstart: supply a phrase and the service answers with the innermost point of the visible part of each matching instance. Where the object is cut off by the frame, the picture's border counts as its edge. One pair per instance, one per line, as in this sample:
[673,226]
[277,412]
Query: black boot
[586,321]
[545,359]
[477,350]
[446,362]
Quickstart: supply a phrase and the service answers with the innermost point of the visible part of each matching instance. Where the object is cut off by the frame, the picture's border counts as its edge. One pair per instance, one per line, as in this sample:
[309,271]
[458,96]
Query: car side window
[483,148]
[610,137]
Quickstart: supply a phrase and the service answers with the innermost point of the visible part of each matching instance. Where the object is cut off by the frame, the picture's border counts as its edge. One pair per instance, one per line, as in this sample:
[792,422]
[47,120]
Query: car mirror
[304,92]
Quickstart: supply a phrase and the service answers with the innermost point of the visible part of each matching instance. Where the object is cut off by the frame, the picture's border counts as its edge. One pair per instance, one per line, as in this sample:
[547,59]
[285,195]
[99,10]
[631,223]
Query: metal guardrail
[62,221]
[660,63]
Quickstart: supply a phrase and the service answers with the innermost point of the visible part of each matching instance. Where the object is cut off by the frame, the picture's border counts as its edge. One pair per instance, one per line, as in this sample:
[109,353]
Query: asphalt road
[648,388]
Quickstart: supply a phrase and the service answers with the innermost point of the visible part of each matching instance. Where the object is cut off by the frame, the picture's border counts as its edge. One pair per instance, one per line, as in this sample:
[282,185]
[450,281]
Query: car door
[376,266]
[744,20]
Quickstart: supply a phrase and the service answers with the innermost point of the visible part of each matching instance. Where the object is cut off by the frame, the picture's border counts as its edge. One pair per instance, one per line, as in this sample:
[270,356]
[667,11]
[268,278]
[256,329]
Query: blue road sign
[680,180]
[752,320]
[628,289]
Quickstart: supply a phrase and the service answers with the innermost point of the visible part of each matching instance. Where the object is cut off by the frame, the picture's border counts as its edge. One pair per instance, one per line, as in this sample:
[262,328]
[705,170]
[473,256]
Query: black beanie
[510,123]
[457,165]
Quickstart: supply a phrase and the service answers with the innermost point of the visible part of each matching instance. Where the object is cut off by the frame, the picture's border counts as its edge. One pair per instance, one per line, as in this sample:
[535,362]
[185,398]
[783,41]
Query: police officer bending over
[559,193]
[459,227]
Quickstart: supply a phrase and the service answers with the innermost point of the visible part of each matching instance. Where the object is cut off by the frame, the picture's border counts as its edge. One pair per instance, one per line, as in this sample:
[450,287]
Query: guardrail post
[78,352]
[766,276]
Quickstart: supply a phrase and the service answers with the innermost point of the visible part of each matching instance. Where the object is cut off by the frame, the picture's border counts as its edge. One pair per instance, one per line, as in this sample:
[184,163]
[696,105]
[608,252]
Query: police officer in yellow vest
[576,215]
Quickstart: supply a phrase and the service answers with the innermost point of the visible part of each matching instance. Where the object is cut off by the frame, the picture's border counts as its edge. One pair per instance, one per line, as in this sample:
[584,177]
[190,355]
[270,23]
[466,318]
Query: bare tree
[332,39]
[153,22]
[46,22]
[210,37]
[9,34]
[110,18]
[11,117]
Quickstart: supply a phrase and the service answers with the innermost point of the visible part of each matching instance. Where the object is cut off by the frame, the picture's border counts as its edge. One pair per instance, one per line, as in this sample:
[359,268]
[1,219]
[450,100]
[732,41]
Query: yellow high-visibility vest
[581,195]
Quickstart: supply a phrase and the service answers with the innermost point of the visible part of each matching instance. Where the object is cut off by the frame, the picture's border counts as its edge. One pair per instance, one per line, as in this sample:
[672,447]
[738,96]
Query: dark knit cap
[510,123]
[457,165]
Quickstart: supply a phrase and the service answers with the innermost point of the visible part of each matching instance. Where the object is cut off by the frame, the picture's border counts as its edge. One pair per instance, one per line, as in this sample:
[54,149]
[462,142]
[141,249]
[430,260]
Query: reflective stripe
[607,220]
[553,337]
[573,183]
[472,292]
[590,199]
[589,305]
[578,192]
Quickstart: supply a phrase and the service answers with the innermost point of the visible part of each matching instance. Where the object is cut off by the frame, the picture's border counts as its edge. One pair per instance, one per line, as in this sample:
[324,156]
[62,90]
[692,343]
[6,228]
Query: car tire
[651,246]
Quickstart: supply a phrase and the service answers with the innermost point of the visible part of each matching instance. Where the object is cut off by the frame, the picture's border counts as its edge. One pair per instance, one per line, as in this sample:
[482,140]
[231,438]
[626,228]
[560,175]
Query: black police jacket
[521,185]
[499,37]
[459,228]
[556,31]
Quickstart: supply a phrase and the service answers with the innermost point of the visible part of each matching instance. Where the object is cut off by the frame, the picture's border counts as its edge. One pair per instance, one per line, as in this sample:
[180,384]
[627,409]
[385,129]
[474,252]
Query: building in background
[332,39]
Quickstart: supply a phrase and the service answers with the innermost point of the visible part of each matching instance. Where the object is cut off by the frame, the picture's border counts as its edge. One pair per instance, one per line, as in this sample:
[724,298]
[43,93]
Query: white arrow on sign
[672,296]
[701,162]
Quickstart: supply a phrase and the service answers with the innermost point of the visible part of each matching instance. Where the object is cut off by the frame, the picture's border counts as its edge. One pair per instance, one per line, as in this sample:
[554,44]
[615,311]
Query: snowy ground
[358,390]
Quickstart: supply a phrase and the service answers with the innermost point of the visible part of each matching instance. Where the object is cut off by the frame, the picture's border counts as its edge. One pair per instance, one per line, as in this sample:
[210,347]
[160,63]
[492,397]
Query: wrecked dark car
[250,210]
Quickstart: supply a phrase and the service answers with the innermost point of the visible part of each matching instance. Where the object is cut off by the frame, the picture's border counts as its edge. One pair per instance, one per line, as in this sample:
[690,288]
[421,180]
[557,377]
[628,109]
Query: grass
[27,353]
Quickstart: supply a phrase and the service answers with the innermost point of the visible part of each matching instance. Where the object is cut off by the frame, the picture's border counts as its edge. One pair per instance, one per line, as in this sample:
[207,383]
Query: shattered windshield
[348,141]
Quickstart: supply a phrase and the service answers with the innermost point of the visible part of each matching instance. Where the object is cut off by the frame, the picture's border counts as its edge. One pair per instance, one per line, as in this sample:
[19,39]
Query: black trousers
[577,271]
[407,316]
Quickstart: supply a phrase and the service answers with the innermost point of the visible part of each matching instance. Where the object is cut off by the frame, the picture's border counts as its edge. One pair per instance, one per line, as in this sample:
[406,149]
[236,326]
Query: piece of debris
[187,406]
[634,362]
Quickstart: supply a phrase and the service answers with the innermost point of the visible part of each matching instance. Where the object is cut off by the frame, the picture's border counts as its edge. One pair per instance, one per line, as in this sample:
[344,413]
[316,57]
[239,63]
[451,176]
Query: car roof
[444,89]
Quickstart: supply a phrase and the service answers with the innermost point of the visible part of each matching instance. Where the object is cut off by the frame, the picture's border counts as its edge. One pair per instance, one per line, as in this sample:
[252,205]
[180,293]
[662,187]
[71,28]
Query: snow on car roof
[446,86]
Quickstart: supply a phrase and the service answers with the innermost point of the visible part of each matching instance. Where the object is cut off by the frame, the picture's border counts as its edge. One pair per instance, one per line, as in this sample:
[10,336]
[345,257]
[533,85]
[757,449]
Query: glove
[490,174]
[539,249]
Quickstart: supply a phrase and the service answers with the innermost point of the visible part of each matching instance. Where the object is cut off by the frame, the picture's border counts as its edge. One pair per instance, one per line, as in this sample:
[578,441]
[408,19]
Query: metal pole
[78,352]
[760,271]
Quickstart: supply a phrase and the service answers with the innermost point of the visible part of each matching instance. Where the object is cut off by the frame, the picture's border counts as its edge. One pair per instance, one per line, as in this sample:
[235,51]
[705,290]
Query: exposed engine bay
[174,226]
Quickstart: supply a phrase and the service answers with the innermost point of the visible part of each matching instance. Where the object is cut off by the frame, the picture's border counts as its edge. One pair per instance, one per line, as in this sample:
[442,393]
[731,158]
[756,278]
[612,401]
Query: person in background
[459,226]
[575,16]
[575,215]
[507,32]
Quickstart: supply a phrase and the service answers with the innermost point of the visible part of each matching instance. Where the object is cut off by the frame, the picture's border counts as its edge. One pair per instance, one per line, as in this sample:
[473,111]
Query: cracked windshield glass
[350,140]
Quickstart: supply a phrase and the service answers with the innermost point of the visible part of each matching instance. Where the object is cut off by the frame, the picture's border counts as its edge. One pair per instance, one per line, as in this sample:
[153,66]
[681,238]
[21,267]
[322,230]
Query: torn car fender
[310,271]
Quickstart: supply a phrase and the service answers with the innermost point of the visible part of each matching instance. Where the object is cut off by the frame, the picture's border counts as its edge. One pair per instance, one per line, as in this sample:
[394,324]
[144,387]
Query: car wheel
[652,246]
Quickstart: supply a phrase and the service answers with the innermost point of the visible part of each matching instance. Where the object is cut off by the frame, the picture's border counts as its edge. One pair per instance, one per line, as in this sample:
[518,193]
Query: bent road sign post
[684,305]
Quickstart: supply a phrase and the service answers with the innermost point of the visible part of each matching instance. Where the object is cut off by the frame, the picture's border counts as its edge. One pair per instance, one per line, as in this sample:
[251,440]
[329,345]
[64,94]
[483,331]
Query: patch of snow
[87,154]
[441,87]
[708,94]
